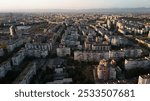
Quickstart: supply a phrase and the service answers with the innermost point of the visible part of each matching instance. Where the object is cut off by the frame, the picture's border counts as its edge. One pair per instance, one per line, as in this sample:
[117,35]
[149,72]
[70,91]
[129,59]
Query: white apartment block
[96,56]
[38,50]
[38,46]
[90,56]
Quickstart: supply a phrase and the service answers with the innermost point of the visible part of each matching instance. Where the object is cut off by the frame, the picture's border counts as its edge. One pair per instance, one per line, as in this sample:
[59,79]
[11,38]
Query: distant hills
[118,10]
[97,10]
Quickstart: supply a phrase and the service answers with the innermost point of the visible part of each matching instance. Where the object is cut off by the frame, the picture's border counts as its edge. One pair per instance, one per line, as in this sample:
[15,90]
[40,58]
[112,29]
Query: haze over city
[9,5]
[74,42]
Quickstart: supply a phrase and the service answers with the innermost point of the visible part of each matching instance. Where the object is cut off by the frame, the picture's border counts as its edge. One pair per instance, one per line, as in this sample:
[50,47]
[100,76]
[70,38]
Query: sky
[71,4]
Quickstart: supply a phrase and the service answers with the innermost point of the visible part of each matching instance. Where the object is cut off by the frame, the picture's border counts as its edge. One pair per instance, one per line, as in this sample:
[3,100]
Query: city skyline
[9,5]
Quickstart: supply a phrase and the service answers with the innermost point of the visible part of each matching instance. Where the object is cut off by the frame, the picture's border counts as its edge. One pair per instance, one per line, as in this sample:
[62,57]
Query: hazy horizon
[19,5]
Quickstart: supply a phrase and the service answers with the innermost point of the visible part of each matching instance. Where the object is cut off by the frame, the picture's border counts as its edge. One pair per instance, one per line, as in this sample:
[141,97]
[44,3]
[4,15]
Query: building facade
[18,57]
[14,44]
[106,70]
[64,51]
[90,56]
[138,63]
[144,79]
[5,67]
[101,47]
[38,49]
[1,52]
